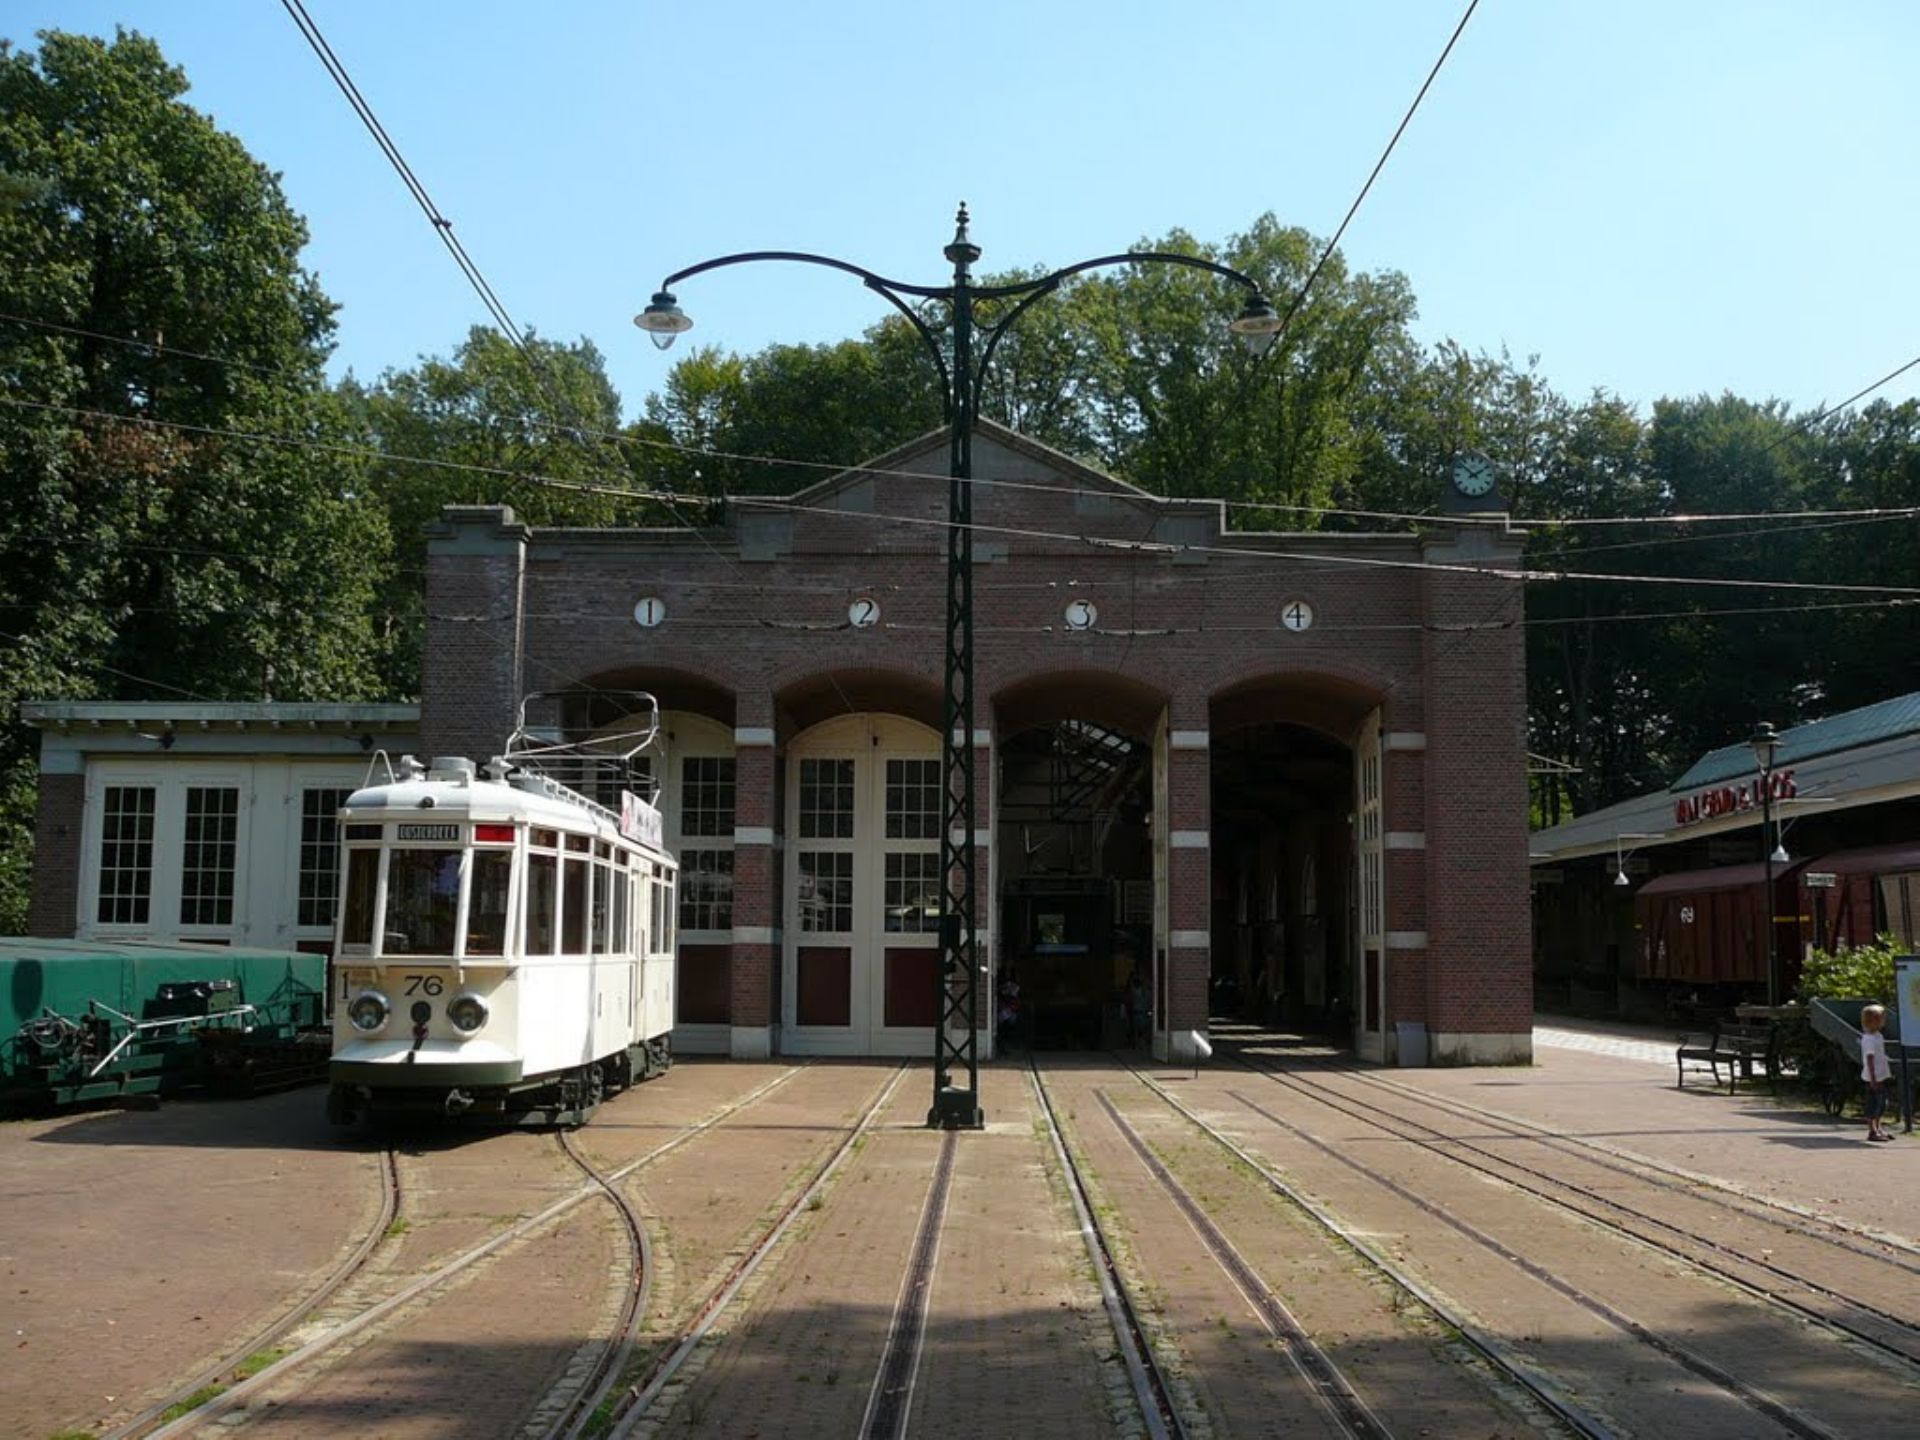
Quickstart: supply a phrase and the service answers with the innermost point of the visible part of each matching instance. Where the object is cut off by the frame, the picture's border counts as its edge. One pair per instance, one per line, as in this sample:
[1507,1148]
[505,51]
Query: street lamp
[962,379]
[1765,742]
[1620,855]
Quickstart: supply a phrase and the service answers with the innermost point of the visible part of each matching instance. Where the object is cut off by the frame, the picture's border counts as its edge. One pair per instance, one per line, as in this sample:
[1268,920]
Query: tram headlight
[369,1012]
[467,1013]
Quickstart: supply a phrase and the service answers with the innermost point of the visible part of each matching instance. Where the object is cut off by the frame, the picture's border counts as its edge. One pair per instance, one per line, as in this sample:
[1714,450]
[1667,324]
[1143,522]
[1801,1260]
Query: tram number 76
[424,984]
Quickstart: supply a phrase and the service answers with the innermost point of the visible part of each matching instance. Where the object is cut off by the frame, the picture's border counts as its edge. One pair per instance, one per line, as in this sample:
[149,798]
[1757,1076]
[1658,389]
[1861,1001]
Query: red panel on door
[704,984]
[912,994]
[824,993]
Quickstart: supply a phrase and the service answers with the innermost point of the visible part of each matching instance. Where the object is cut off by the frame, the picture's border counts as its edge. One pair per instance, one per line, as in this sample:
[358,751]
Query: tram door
[1370,929]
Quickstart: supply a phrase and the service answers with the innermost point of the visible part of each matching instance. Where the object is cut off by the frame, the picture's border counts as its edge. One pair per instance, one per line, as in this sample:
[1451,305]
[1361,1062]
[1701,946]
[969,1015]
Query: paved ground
[134,1245]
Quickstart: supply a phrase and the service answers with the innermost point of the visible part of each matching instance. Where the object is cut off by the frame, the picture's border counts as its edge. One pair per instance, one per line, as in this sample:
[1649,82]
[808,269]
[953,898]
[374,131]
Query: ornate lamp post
[1765,742]
[962,375]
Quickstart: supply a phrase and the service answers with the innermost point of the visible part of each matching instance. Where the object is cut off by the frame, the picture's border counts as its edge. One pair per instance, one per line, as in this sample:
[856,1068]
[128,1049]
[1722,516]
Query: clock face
[1473,474]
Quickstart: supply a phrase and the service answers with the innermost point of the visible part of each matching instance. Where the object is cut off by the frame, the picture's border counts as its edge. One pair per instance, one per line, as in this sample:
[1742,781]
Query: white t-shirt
[1873,1057]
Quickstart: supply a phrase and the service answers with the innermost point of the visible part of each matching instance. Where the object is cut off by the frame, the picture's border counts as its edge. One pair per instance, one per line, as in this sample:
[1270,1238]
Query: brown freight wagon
[1874,891]
[1706,927]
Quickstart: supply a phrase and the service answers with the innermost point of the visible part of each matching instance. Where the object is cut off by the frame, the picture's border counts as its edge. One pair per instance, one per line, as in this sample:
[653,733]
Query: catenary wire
[836,468]
[1028,532]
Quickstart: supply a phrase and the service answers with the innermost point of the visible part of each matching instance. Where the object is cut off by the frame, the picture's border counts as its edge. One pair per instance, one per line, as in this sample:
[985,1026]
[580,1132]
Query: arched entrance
[1080,865]
[1299,919]
[861,956]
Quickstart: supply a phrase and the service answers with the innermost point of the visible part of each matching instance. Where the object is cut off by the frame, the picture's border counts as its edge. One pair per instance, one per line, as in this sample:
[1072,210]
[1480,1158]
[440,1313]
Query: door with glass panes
[863,888]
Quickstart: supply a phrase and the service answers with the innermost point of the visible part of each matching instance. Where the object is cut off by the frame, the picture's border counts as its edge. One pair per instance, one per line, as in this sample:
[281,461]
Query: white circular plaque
[1296,615]
[1081,614]
[863,612]
[649,612]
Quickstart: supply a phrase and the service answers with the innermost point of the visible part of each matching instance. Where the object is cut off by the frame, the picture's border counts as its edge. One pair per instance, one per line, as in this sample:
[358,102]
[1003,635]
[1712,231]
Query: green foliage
[1852,972]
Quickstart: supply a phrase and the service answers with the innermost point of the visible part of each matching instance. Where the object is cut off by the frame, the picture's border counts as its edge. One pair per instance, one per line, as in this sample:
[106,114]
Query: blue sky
[1655,198]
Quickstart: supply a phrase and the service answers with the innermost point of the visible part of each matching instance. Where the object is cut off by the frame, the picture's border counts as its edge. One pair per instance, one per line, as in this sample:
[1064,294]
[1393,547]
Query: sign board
[639,821]
[428,832]
[1820,879]
[1906,998]
[1711,804]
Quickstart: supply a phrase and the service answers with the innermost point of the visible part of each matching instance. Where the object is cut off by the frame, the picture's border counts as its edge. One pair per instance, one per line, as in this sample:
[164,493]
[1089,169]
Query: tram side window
[669,881]
[423,898]
[573,906]
[487,903]
[542,893]
[363,874]
[622,939]
[602,908]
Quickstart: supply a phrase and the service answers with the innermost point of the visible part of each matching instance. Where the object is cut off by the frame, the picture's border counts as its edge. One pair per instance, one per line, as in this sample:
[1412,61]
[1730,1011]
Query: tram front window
[423,900]
[487,906]
[363,875]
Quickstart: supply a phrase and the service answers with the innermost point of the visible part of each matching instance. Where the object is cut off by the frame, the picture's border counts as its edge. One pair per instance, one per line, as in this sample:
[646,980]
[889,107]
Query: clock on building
[1474,485]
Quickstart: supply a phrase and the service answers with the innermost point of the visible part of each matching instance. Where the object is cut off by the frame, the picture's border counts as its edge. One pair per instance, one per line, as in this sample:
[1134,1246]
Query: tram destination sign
[428,832]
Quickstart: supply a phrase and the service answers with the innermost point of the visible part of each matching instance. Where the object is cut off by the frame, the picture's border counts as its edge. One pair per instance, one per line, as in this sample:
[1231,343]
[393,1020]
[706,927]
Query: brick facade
[1187,637]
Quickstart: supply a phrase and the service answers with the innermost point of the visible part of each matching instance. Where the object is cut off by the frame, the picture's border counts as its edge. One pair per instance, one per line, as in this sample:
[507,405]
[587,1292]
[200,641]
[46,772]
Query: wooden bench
[1733,1045]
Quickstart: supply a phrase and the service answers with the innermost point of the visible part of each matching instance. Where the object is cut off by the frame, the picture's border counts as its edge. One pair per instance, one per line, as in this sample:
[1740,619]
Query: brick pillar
[1189,875]
[756,887]
[470,667]
[1403,758]
[53,906]
[1479,965]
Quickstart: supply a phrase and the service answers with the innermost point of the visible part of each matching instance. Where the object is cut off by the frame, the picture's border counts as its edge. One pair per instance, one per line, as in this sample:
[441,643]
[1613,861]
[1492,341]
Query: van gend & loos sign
[1731,799]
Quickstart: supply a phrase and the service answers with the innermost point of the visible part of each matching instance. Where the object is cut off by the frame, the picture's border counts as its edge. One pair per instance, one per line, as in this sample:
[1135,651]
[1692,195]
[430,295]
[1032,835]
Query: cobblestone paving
[150,1242]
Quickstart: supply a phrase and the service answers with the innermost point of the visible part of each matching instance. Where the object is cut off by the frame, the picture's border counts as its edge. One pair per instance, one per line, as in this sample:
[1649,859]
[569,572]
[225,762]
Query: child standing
[1873,1068]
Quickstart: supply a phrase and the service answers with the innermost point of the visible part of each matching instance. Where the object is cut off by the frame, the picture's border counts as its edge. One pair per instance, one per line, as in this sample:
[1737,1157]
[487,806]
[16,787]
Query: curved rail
[1496,1352]
[600,1380]
[1855,1321]
[1715,1374]
[220,1373]
[224,1402]
[1150,1388]
[635,1401]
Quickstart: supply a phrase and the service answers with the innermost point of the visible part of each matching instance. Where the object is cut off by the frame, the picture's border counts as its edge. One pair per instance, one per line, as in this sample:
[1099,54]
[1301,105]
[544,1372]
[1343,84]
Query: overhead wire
[856,469]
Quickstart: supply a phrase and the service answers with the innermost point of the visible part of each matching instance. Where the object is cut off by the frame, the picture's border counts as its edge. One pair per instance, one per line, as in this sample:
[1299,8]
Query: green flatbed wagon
[86,1020]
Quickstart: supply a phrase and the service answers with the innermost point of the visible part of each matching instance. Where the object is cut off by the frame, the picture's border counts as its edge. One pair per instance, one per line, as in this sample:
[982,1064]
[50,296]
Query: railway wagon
[504,947]
[91,1020]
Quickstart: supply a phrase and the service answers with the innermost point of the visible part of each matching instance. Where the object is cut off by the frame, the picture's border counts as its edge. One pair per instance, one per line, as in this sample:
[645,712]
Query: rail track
[1827,1305]
[1152,1391]
[594,1387]
[891,1399]
[211,1407]
[1583,1417]
[229,1369]
[633,1402]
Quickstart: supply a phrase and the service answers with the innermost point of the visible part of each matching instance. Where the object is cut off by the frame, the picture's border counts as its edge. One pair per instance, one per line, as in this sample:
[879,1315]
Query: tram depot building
[1279,774]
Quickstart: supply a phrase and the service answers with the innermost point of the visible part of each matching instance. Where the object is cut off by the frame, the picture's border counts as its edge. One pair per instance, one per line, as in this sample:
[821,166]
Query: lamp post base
[955,1109]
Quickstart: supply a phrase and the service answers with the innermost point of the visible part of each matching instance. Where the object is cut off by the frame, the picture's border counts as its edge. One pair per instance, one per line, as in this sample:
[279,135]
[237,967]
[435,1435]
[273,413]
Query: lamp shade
[1257,325]
[663,319]
[1765,742]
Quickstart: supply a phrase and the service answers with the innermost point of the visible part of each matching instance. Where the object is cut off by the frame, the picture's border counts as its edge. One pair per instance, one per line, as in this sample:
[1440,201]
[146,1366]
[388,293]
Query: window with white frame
[320,853]
[913,799]
[826,799]
[209,845]
[826,889]
[706,796]
[126,855]
[912,892]
[706,889]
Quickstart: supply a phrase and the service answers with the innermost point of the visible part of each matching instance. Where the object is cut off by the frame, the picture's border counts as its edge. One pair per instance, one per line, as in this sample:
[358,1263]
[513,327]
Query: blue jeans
[1876,1099]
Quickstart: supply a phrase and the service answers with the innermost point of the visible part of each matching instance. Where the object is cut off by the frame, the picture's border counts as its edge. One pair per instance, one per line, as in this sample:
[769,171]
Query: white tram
[504,947]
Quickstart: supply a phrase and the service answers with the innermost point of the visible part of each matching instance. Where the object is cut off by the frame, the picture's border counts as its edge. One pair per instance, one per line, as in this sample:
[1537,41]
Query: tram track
[1878,1246]
[594,1387]
[236,1366]
[1830,1308]
[890,1401]
[1153,1392]
[1506,1361]
[633,1401]
[212,1407]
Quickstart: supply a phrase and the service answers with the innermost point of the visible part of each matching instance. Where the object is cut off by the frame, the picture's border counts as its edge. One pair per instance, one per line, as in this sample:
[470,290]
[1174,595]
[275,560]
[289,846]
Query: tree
[141,555]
